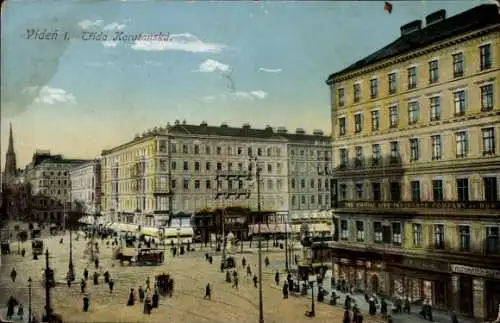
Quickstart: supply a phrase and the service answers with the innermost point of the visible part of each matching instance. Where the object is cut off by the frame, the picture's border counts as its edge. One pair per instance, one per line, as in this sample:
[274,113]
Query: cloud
[210,66]
[114,26]
[238,95]
[51,95]
[109,43]
[270,70]
[179,42]
[89,24]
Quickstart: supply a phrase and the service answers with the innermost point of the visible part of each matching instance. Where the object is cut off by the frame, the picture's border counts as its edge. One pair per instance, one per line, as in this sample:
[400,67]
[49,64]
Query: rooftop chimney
[223,125]
[435,17]
[411,27]
[203,124]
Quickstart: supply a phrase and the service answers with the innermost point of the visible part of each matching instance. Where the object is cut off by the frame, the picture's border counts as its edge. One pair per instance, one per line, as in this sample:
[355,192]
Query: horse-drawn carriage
[165,284]
[230,263]
[125,254]
[37,247]
[150,256]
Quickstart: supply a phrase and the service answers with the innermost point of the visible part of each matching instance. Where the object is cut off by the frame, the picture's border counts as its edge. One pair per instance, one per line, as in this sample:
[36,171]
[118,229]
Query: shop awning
[150,231]
[319,227]
[124,227]
[254,229]
[280,228]
[181,231]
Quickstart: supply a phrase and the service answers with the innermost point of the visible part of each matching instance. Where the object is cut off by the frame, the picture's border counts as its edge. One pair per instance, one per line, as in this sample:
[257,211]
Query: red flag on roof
[388,7]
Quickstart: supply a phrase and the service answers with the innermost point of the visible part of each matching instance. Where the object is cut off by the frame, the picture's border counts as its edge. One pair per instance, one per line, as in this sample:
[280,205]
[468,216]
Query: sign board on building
[474,271]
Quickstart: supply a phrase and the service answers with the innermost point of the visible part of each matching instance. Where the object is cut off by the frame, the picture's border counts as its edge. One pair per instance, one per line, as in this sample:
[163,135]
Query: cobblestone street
[190,272]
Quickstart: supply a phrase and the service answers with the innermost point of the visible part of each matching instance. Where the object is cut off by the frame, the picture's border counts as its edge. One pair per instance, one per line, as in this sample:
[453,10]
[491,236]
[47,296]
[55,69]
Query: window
[376,155]
[435,103]
[393,86]
[377,229]
[344,157]
[219,150]
[259,151]
[173,183]
[394,152]
[342,192]
[208,184]
[342,126]
[490,189]
[413,112]
[302,183]
[359,191]
[464,232]
[186,165]
[414,149]
[311,183]
[269,152]
[376,191]
[196,149]
[488,141]
[197,184]
[208,151]
[240,150]
[412,77]
[394,116]
[434,71]
[184,149]
[417,235]
[344,230]
[373,88]
[359,156]
[219,166]
[395,191]
[249,151]
[459,98]
[485,53]
[487,97]
[320,200]
[436,147]
[358,122]
[186,184]
[437,190]
[341,95]
[415,190]
[492,241]
[207,166]
[269,168]
[462,146]
[303,199]
[458,65]
[174,165]
[360,231]
[439,236]
[463,189]
[375,120]
[397,238]
[356,92]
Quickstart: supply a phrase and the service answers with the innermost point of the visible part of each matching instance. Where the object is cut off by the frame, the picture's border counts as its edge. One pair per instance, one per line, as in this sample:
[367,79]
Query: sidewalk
[15,318]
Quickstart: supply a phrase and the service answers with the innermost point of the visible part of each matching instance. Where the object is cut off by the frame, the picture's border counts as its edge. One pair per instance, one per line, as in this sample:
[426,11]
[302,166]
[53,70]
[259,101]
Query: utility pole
[231,177]
[286,246]
[261,302]
[49,276]
[71,269]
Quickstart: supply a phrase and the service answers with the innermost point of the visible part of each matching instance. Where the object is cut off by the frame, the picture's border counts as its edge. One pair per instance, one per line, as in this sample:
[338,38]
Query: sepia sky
[235,62]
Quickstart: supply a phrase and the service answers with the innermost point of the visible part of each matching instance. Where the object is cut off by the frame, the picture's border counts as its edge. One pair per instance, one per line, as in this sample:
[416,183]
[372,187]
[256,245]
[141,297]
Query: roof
[222,131]
[474,19]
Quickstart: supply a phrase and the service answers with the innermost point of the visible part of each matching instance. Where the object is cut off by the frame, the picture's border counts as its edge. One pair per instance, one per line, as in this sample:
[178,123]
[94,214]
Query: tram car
[150,256]
[125,254]
[37,247]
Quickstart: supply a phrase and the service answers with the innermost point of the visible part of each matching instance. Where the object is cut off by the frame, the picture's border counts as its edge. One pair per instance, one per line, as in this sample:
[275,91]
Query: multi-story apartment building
[188,168]
[415,128]
[48,177]
[86,186]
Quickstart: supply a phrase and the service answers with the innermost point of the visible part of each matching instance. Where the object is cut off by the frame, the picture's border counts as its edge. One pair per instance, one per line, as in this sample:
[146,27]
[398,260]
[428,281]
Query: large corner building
[415,130]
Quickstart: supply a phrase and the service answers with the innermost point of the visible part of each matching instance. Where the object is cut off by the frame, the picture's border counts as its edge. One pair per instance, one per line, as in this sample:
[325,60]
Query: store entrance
[492,299]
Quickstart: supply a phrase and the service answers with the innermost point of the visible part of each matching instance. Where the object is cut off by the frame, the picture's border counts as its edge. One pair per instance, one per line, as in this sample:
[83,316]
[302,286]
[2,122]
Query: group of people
[149,299]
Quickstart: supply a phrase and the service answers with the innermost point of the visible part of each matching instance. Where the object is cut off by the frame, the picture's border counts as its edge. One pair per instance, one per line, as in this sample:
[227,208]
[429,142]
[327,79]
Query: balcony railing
[232,173]
[471,205]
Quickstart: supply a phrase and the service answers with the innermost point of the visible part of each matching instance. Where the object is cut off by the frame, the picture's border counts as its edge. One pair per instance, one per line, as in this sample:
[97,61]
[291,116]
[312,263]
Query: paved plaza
[191,274]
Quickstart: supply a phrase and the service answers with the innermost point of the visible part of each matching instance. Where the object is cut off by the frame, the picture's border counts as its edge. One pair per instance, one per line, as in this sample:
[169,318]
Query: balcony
[233,191]
[469,205]
[233,174]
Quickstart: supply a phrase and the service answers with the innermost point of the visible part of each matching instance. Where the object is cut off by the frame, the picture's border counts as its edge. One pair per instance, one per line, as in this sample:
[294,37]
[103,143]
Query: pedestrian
[208,292]
[13,275]
[407,306]
[347,317]
[86,274]
[266,261]
[83,284]
[372,308]
[285,290]
[111,285]
[131,298]
[255,281]
[142,294]
[454,318]
[68,280]
[11,304]
[243,262]
[61,241]
[277,278]
[86,303]
[23,252]
[96,263]
[228,277]
[106,277]
[249,271]
[155,299]
[235,282]
[20,311]
[148,284]
[210,259]
[96,278]
[383,308]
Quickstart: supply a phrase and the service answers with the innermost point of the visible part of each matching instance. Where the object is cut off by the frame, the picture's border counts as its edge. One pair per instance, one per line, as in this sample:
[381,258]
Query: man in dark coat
[86,303]
[277,278]
[208,292]
[255,281]
[285,290]
[111,285]
[13,275]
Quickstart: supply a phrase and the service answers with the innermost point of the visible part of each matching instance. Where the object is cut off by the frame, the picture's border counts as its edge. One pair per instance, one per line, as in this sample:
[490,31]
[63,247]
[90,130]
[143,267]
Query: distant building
[48,176]
[10,160]
[86,186]
[415,131]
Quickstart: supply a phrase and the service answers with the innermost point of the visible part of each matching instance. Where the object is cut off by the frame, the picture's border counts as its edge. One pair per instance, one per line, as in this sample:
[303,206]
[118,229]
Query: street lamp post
[261,302]
[286,246]
[179,238]
[71,268]
[48,282]
[312,279]
[29,300]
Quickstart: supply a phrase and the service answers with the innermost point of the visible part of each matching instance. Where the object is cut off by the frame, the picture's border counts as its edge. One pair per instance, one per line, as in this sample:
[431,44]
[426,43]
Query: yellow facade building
[415,130]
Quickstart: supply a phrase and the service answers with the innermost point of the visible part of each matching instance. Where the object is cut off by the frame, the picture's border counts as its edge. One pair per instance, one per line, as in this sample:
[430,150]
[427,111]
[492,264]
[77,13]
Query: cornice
[416,53]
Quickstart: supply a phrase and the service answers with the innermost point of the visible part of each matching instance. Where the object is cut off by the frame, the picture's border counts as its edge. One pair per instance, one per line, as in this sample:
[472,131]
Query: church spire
[10,158]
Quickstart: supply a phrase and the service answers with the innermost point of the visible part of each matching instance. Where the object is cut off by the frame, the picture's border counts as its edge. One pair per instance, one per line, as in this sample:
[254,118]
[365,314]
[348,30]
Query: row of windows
[393,234]
[320,154]
[52,173]
[220,167]
[320,200]
[46,182]
[196,150]
[375,192]
[485,60]
[53,192]
[414,113]
[313,183]
[488,141]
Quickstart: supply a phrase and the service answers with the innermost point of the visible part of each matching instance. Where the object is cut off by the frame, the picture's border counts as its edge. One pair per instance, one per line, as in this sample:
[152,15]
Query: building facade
[415,134]
[86,186]
[184,168]
[48,177]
